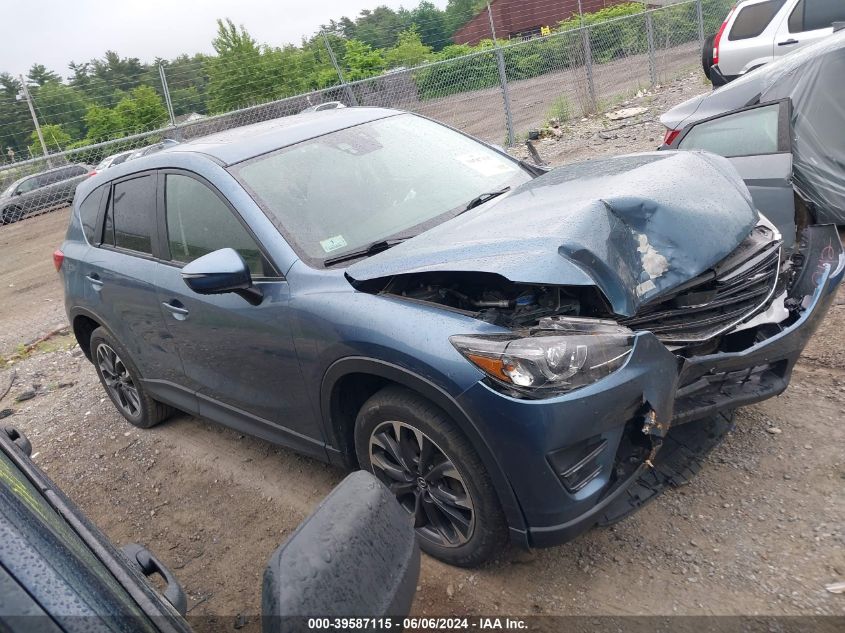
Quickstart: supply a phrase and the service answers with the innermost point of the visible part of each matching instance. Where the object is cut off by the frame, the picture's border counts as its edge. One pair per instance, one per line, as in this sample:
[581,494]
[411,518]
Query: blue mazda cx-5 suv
[517,354]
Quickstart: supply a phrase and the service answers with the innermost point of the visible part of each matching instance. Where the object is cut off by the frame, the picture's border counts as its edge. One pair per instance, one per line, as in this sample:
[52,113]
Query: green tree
[103,124]
[142,110]
[236,75]
[361,61]
[409,50]
[39,75]
[431,24]
[459,12]
[106,81]
[379,27]
[55,138]
[62,105]
[188,82]
[15,121]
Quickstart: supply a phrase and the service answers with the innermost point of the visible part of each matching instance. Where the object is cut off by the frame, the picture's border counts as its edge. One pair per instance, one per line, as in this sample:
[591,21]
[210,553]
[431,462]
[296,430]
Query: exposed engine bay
[496,300]
[744,297]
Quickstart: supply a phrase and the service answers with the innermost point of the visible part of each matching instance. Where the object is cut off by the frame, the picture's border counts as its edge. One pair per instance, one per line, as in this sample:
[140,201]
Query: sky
[55,32]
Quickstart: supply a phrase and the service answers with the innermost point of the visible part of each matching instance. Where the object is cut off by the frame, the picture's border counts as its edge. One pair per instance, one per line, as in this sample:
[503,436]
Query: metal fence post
[652,67]
[588,67]
[503,79]
[699,14]
[349,93]
[166,92]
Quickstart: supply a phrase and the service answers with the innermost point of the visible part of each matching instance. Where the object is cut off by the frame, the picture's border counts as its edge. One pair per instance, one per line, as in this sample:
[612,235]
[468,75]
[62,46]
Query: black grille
[737,288]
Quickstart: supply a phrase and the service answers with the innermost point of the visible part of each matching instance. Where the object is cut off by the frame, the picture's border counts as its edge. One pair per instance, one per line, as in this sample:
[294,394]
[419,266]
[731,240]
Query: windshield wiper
[484,197]
[372,249]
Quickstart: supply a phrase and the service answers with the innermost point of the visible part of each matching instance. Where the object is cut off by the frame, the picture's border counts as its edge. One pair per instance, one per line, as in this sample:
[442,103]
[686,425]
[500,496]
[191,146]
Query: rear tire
[10,215]
[122,382]
[707,55]
[415,449]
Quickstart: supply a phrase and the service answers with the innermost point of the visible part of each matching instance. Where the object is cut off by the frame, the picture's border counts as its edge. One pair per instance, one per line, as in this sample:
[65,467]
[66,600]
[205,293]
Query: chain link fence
[498,93]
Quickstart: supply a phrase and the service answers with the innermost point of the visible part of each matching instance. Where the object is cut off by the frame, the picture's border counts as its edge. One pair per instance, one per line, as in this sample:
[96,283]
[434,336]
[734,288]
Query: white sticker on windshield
[333,243]
[484,164]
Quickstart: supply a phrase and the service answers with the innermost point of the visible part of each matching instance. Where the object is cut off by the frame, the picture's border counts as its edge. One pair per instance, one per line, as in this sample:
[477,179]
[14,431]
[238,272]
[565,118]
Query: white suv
[758,31]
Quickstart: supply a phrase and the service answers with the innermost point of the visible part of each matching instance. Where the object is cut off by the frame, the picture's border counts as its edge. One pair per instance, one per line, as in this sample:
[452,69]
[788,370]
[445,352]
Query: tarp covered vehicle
[790,116]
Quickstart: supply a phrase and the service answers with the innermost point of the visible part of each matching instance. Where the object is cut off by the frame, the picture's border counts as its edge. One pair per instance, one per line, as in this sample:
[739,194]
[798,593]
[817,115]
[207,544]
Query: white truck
[756,32]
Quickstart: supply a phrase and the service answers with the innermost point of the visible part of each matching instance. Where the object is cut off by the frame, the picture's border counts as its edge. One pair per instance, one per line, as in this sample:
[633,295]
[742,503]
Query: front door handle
[788,42]
[95,280]
[179,312]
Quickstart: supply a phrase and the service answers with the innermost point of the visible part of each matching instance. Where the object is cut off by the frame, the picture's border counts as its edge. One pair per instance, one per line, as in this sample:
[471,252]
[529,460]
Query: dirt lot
[760,531]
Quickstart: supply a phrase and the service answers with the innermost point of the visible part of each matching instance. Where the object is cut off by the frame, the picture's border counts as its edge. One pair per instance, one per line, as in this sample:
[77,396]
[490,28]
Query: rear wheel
[122,382]
[414,448]
[11,214]
[707,55]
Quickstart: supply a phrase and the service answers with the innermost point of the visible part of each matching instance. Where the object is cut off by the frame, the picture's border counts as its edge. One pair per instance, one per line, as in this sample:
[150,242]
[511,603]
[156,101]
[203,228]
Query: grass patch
[57,340]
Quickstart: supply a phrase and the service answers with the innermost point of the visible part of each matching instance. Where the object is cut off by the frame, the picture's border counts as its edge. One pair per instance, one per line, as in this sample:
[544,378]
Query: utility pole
[166,92]
[503,79]
[26,95]
[349,94]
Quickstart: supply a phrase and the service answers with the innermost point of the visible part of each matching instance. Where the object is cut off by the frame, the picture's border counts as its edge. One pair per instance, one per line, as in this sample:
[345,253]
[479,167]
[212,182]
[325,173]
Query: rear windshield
[753,20]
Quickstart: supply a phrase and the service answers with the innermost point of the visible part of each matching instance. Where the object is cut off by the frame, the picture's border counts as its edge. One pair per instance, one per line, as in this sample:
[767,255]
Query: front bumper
[612,430]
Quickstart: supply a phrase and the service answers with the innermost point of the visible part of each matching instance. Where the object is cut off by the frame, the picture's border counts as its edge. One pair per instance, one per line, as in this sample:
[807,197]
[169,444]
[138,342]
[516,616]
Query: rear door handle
[95,280]
[788,42]
[179,312]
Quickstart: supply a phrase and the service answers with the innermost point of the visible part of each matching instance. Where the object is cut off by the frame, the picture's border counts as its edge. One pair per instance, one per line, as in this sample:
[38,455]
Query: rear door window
[753,20]
[130,220]
[811,15]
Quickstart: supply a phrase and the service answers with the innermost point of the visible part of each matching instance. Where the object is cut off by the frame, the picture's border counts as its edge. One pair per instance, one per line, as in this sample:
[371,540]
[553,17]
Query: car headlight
[560,355]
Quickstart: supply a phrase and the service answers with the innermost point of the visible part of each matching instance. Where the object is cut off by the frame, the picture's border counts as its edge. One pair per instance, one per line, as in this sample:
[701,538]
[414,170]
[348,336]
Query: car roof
[46,171]
[242,143]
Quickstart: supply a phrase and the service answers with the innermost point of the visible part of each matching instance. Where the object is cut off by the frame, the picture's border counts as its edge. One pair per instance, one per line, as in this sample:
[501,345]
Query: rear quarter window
[752,20]
[89,212]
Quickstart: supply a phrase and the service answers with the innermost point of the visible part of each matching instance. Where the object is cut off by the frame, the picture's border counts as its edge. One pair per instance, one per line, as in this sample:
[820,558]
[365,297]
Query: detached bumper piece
[679,459]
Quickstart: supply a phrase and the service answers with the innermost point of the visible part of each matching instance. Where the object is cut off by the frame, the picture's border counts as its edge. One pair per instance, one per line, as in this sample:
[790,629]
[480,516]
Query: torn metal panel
[634,226]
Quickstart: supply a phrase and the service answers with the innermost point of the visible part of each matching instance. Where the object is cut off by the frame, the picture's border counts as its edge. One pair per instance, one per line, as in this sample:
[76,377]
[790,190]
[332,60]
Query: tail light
[670,136]
[718,37]
[58,259]
[92,173]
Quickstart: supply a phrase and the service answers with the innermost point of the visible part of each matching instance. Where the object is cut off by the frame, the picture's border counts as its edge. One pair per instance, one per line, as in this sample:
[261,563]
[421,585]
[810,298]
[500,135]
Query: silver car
[49,189]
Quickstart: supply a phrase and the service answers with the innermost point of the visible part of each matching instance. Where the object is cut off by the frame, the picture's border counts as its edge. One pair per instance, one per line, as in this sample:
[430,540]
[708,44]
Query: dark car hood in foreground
[634,226]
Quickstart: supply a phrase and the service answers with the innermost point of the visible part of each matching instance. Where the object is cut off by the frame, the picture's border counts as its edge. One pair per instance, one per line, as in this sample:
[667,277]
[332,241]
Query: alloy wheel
[425,481]
[118,381]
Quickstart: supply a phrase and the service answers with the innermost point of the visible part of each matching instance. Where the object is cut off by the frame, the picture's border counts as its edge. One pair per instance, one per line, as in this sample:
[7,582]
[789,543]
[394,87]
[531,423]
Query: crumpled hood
[635,226]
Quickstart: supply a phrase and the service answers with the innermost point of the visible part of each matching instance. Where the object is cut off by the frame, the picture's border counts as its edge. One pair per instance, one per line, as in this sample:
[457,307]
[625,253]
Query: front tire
[122,382]
[414,448]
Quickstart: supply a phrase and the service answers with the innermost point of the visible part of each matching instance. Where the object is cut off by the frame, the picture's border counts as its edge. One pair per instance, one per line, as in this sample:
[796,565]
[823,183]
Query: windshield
[9,190]
[393,177]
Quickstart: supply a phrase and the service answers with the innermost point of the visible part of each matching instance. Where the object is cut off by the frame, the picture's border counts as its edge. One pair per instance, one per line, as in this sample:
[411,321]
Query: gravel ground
[759,531]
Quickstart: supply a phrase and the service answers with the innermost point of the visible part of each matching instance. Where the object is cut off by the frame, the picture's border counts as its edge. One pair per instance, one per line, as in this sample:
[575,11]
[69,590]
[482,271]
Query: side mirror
[220,272]
[356,555]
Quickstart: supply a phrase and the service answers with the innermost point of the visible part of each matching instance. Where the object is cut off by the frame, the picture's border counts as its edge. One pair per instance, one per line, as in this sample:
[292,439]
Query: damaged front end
[617,392]
[643,319]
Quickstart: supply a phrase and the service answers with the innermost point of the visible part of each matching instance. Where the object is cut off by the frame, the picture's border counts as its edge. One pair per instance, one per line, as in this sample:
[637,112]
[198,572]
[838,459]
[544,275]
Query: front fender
[437,395]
